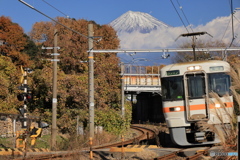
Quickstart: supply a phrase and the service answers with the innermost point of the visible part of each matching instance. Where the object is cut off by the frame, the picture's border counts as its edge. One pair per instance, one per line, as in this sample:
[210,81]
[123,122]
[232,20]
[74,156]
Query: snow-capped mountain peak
[131,21]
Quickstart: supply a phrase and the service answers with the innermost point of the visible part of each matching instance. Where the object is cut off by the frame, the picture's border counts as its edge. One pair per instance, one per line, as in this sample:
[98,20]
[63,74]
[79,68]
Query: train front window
[172,88]
[219,83]
[196,85]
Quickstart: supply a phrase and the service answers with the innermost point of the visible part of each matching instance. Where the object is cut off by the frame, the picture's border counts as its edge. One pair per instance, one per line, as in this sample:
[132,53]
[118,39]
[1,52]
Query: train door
[196,97]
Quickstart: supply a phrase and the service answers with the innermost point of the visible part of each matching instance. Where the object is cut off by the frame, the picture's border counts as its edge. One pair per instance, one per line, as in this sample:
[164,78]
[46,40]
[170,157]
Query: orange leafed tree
[11,57]
[73,45]
[73,72]
[15,41]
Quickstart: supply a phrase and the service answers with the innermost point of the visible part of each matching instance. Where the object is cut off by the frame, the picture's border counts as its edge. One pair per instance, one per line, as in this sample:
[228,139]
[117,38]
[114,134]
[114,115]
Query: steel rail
[199,153]
[145,133]
[167,156]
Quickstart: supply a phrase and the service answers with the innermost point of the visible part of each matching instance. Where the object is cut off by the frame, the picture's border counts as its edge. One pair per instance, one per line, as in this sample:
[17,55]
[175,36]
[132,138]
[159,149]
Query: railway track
[143,134]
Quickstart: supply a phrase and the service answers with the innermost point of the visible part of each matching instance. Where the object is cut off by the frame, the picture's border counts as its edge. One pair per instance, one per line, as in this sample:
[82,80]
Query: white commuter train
[189,107]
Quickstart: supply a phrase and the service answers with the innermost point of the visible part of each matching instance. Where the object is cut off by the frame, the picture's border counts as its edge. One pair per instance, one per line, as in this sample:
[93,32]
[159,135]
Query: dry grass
[146,154]
[104,137]
[75,142]
[228,133]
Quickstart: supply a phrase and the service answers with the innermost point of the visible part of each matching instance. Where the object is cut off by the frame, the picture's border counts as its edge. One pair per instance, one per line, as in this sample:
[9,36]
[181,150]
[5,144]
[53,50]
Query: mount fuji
[137,21]
[133,28]
[138,30]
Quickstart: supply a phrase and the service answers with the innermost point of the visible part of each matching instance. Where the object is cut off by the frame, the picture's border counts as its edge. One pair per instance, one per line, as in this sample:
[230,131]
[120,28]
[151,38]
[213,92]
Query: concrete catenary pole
[122,90]
[194,46]
[238,137]
[54,100]
[91,80]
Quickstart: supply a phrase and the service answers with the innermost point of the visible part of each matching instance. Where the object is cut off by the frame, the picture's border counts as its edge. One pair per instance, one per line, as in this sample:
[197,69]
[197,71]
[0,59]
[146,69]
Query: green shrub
[112,120]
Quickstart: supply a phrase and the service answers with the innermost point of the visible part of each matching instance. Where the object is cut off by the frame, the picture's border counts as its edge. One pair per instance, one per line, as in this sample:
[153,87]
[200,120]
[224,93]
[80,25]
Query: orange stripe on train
[196,107]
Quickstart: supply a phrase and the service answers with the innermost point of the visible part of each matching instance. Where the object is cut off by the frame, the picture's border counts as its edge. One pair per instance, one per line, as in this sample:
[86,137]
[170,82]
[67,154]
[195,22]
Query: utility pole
[91,71]
[194,46]
[122,90]
[238,137]
[91,80]
[54,99]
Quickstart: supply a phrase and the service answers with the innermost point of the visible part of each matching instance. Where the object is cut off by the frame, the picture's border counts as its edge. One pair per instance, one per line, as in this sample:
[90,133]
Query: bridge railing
[142,79]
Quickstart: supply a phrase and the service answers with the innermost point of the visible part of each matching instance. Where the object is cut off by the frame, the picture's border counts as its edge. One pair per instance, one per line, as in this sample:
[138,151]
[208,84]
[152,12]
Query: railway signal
[22,111]
[26,95]
[20,97]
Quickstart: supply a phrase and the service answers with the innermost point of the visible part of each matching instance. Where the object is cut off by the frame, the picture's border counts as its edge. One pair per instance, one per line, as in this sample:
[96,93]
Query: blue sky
[198,12]
[203,15]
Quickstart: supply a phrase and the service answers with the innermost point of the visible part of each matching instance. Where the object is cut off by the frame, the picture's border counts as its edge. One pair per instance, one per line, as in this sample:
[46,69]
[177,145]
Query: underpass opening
[147,108]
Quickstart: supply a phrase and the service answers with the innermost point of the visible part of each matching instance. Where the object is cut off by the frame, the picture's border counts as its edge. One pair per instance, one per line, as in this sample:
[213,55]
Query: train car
[196,100]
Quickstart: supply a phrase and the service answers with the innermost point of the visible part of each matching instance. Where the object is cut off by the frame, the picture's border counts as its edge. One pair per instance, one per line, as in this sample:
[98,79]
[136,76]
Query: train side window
[219,83]
[172,88]
[196,85]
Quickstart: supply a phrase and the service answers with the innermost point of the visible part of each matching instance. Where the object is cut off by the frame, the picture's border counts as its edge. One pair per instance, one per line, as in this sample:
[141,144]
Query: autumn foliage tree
[15,39]
[73,72]
[12,56]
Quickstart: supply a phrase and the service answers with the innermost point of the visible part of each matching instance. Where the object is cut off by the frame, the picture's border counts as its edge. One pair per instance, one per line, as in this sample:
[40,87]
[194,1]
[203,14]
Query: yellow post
[20,141]
[17,139]
[33,141]
[122,150]
[91,152]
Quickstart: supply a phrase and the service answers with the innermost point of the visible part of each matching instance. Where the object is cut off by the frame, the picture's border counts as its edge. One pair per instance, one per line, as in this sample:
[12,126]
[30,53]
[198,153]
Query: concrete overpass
[142,83]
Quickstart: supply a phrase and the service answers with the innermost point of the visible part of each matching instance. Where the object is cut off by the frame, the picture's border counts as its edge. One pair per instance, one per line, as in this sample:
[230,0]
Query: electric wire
[186,19]
[179,16]
[232,19]
[238,22]
[226,30]
[236,18]
[233,35]
[184,15]
[182,20]
[137,65]
[55,8]
[30,6]
[67,16]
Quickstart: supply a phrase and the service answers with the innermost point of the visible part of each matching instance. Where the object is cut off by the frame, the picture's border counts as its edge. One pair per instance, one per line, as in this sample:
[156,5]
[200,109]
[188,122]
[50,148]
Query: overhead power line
[179,16]
[184,15]
[233,37]
[225,30]
[236,18]
[55,8]
[30,6]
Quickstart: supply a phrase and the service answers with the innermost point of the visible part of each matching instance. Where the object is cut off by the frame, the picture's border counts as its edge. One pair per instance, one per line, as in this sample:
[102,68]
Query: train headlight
[191,68]
[217,105]
[197,67]
[174,109]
